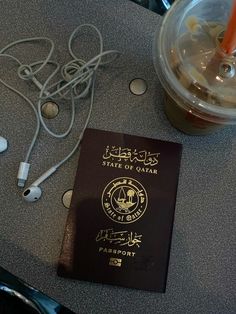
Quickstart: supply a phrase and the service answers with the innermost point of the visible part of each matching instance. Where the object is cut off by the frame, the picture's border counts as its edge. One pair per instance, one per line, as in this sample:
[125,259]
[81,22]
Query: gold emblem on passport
[124,200]
[115,262]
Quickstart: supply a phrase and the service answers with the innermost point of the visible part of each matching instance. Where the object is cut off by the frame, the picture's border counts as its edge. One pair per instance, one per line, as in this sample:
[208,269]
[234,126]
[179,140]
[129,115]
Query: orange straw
[229,41]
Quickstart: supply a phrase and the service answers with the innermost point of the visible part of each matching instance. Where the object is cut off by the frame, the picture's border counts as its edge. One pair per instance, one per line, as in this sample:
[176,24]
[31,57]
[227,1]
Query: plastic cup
[198,78]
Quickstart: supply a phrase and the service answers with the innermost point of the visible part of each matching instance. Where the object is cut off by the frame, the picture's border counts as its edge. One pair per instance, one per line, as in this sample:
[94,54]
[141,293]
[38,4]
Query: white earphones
[76,73]
[3,144]
[34,192]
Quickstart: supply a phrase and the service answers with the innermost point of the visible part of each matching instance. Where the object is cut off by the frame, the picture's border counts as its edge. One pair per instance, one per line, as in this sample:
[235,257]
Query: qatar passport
[120,221]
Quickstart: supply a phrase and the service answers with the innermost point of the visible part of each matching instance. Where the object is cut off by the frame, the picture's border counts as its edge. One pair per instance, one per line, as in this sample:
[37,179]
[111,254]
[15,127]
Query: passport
[120,221]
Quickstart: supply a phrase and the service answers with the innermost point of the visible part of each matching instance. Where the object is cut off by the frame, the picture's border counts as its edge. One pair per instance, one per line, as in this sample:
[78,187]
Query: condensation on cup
[198,77]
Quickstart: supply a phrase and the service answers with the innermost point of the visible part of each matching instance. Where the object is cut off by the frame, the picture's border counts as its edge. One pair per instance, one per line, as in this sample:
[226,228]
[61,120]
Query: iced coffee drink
[198,77]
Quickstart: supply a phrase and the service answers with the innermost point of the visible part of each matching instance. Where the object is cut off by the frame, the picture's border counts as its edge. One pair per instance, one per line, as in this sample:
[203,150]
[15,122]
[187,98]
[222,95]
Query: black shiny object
[16,297]
[12,304]
[158,6]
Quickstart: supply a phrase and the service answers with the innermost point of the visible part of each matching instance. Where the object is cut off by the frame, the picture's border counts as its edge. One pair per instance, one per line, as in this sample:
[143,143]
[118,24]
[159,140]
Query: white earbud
[34,192]
[3,144]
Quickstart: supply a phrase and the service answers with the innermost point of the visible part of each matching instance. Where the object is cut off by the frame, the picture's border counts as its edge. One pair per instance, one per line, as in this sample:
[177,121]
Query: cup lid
[190,58]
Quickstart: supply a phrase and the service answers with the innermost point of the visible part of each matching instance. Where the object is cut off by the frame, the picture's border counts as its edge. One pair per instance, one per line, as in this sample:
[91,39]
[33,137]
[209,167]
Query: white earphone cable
[78,78]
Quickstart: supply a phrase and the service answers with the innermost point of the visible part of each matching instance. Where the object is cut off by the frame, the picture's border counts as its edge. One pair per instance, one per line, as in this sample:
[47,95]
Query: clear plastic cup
[199,79]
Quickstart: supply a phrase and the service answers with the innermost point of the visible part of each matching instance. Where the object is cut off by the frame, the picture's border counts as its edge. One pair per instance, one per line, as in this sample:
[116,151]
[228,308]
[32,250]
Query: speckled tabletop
[201,276]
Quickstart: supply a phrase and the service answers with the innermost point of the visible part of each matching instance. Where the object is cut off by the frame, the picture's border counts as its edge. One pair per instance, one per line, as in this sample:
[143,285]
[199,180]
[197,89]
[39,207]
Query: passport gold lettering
[129,167]
[111,164]
[126,154]
[111,213]
[116,252]
[121,238]
[146,170]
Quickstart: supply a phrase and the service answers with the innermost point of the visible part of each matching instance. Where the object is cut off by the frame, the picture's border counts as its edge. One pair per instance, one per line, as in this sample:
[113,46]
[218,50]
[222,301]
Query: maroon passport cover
[120,221]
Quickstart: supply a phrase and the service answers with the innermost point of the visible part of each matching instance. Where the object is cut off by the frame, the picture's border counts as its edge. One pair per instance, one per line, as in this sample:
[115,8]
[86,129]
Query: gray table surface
[201,275]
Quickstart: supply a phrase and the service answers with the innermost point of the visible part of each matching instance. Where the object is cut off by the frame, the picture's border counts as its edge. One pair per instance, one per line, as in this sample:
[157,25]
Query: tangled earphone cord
[29,102]
[78,78]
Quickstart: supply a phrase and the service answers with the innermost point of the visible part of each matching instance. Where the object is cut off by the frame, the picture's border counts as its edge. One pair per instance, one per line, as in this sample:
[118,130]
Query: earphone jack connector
[22,175]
